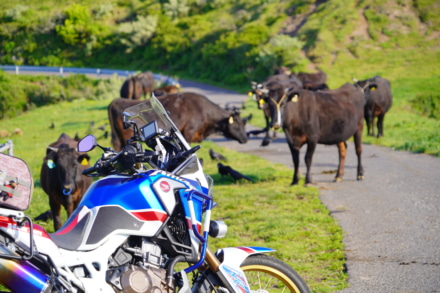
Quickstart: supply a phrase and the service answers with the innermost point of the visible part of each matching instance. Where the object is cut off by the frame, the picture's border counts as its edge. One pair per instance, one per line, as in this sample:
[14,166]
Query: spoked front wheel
[264,274]
[268,274]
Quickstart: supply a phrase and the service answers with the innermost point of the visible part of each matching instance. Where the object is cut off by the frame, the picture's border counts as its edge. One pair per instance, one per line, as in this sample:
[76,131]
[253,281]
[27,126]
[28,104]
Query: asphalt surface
[391,219]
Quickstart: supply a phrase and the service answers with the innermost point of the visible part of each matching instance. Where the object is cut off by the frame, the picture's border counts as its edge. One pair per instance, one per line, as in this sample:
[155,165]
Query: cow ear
[84,159]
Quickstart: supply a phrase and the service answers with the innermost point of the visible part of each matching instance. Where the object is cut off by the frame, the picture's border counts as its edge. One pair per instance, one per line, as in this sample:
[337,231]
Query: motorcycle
[142,227]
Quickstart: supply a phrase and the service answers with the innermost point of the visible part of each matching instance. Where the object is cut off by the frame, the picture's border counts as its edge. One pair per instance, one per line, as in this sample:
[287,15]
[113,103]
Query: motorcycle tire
[266,274]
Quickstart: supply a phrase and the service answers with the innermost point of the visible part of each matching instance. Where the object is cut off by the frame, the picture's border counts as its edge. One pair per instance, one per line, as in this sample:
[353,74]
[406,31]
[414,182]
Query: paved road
[391,219]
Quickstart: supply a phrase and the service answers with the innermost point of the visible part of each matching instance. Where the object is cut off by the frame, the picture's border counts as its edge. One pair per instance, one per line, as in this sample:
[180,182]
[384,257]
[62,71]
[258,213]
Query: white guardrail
[98,72]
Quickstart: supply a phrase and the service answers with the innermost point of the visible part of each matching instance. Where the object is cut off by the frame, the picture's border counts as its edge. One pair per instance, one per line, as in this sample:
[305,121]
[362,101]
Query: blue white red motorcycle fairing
[149,213]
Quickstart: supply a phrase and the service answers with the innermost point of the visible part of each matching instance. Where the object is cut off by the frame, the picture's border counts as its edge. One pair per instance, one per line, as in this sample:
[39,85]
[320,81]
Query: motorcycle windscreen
[16,184]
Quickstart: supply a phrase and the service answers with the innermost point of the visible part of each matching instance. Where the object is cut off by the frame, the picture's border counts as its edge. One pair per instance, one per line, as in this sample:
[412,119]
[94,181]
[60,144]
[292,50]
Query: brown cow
[195,115]
[137,85]
[61,176]
[378,102]
[327,117]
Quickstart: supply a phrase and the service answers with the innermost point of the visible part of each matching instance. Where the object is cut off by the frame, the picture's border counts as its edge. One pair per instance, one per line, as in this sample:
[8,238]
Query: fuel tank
[124,205]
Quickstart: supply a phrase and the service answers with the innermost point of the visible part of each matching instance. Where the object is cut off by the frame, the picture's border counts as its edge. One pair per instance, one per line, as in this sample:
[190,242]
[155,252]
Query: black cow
[260,90]
[194,114]
[378,102]
[313,81]
[326,117]
[137,86]
[61,176]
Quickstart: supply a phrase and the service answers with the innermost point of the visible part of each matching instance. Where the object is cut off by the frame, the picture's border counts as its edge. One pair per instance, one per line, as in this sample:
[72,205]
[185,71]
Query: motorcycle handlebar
[122,161]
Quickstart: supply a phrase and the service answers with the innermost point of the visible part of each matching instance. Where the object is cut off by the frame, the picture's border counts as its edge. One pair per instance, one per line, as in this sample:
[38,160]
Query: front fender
[234,256]
[230,271]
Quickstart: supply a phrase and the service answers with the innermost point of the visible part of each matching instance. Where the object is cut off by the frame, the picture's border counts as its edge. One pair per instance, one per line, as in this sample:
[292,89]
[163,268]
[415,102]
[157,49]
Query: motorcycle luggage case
[16,184]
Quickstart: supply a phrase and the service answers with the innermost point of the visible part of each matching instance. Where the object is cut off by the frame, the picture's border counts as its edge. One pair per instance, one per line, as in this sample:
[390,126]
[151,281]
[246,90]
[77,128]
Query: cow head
[233,127]
[259,94]
[277,98]
[67,164]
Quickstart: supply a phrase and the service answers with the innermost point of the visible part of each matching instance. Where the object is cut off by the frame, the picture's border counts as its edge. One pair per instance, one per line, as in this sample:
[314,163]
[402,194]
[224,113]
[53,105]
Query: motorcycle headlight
[217,229]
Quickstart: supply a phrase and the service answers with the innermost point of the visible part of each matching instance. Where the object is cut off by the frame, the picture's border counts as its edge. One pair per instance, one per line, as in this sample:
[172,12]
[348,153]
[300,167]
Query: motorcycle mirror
[86,144]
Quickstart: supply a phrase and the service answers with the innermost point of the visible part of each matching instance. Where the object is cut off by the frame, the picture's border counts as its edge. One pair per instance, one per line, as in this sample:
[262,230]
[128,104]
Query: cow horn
[52,149]
[265,91]
[354,80]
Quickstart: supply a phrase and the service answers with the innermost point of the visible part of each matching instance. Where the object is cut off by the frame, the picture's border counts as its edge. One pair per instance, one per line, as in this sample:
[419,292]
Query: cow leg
[55,207]
[368,121]
[380,125]
[358,146]
[342,150]
[311,146]
[294,151]
[266,139]
[372,126]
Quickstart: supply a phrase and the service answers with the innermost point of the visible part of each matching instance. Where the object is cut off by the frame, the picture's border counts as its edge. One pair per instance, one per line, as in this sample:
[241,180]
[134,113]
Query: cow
[194,114]
[378,101]
[166,89]
[324,117]
[259,92]
[61,176]
[137,86]
[313,81]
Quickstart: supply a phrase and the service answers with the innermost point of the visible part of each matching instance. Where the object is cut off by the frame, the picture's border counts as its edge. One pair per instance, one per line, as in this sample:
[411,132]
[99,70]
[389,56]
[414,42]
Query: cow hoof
[337,179]
[360,177]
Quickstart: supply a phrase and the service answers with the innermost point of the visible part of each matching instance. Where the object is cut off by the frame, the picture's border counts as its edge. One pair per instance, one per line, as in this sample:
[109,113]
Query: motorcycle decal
[115,218]
[237,278]
[164,186]
[150,215]
[132,194]
[71,235]
[254,249]
[73,221]
[8,223]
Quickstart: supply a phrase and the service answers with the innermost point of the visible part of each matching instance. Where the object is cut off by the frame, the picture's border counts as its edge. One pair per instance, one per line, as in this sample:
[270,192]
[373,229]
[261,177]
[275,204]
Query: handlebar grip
[89,171]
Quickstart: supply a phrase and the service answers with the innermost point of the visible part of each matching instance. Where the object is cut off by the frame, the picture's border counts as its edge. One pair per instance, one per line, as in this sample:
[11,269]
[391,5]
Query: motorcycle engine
[136,268]
[143,280]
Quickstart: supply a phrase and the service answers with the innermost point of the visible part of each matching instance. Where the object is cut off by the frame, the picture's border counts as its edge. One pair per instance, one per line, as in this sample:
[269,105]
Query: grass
[267,213]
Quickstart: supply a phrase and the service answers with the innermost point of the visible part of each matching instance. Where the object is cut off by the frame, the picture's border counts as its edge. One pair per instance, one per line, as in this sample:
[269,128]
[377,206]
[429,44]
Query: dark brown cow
[313,81]
[259,92]
[166,90]
[137,86]
[61,176]
[194,114]
[378,102]
[327,117]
